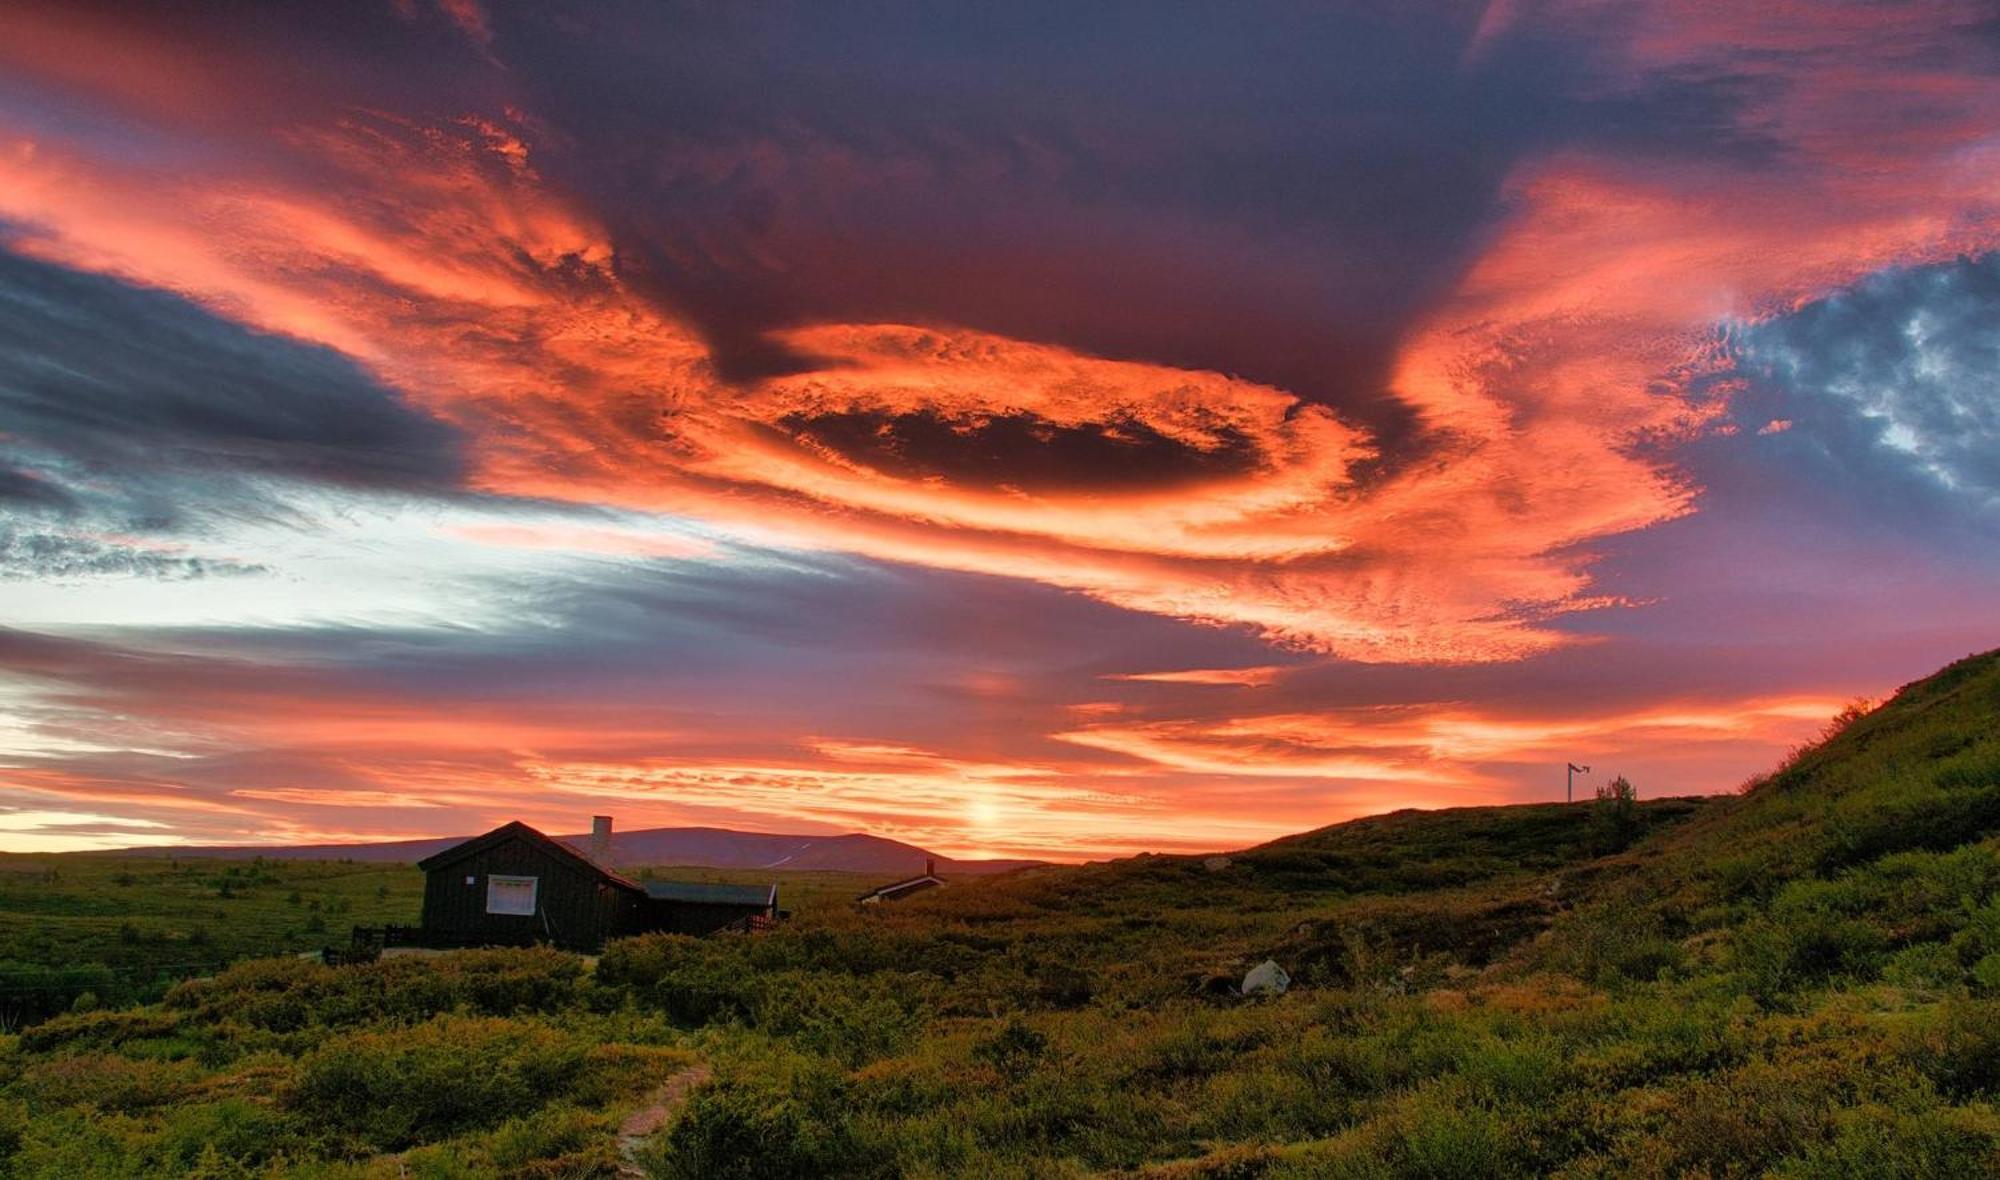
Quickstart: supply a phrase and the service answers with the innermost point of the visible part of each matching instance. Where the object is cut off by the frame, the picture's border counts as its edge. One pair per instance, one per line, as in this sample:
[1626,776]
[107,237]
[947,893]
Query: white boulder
[1266,979]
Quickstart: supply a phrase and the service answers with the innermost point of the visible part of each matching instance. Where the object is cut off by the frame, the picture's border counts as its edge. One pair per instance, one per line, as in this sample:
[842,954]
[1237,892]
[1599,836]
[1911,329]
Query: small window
[510,895]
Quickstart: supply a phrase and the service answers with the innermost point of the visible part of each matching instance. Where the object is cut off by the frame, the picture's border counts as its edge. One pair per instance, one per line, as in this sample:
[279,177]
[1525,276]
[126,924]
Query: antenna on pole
[1569,784]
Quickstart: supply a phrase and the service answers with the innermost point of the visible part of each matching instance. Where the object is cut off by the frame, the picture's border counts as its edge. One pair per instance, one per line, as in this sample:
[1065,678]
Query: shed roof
[923,881]
[695,891]
[515,829]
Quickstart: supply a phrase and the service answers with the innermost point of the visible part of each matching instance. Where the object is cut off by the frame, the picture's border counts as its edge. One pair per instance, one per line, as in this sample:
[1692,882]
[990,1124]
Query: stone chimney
[600,839]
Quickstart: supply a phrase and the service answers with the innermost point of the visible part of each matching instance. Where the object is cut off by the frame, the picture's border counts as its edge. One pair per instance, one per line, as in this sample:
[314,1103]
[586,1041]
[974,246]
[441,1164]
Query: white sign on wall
[510,895]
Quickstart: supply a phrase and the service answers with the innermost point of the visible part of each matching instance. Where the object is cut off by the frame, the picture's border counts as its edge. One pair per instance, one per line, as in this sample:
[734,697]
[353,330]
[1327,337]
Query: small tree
[1614,820]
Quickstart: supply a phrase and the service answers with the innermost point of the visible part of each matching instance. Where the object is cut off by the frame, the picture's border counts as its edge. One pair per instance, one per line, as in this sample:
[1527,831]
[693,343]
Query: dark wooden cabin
[515,886]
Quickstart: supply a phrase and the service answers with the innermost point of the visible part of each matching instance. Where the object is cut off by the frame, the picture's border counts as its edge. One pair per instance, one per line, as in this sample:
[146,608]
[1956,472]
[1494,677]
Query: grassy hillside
[119,930]
[1802,980]
[114,930]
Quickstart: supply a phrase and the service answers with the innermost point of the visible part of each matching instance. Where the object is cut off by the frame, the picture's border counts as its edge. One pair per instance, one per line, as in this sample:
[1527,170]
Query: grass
[1799,981]
[122,929]
[117,929]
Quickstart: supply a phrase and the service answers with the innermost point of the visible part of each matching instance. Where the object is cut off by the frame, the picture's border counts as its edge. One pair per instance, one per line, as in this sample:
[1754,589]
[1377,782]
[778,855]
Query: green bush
[1879,1143]
[229,1137]
[99,1029]
[1445,1137]
[1925,965]
[1614,817]
[554,1133]
[849,1020]
[1958,1048]
[393,1089]
[286,995]
[681,977]
[105,1082]
[1014,1051]
[781,1118]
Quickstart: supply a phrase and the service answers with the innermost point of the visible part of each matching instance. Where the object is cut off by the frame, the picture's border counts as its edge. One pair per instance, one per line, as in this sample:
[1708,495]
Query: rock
[1266,979]
[1216,864]
[1213,987]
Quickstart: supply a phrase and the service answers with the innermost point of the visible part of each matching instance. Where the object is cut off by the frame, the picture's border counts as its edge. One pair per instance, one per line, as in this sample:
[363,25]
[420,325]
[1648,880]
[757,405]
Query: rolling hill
[716,848]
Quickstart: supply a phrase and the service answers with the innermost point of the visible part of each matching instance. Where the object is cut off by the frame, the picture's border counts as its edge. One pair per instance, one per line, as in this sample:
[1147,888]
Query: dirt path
[660,1106]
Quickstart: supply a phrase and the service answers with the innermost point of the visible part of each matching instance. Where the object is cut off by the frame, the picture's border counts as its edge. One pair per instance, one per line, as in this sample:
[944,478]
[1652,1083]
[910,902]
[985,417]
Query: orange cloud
[572,387]
[450,268]
[1444,745]
[1257,677]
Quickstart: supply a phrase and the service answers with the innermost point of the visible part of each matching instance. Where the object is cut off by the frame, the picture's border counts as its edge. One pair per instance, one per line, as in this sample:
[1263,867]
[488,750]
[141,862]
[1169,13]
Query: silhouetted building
[515,886]
[909,887]
[691,907]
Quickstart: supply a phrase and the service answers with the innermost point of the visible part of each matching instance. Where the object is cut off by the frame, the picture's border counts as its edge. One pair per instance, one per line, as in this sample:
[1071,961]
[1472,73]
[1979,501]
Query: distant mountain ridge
[714,848]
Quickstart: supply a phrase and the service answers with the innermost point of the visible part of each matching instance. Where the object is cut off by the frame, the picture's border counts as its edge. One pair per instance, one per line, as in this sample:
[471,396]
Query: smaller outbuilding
[909,887]
[690,907]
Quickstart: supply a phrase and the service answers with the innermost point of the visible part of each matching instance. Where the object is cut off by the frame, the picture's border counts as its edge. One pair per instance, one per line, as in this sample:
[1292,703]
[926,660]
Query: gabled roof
[516,830]
[921,881]
[694,891]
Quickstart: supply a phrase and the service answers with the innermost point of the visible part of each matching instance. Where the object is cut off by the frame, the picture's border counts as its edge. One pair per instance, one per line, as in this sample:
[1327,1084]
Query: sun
[982,813]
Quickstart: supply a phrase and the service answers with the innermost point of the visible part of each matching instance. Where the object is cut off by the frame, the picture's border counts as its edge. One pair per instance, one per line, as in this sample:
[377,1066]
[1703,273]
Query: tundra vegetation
[1799,980]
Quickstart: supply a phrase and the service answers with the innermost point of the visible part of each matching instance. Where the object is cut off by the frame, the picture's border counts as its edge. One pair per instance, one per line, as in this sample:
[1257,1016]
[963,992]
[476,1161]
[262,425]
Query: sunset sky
[1029,429]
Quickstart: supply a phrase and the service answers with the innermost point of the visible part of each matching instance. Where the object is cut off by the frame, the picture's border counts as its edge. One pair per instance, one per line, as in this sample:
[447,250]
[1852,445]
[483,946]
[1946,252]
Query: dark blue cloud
[1850,515]
[1271,190]
[110,385]
[1892,392]
[36,555]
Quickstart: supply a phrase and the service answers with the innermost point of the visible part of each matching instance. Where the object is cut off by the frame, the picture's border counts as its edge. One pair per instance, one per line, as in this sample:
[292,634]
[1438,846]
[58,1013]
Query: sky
[1035,429]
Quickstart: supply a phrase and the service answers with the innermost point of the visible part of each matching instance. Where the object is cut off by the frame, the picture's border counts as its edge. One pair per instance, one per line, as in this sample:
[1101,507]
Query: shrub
[1803,947]
[1444,1137]
[771,1120]
[105,1082]
[13,1129]
[1877,1143]
[553,1133]
[1959,1048]
[680,977]
[852,1021]
[394,1089]
[1014,1051]
[232,1136]
[1743,1122]
[1614,819]
[286,995]
[1925,965]
[99,1029]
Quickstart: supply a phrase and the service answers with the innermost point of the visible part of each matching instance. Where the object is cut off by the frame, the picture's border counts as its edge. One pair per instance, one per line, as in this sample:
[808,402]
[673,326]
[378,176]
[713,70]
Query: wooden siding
[576,907]
[689,917]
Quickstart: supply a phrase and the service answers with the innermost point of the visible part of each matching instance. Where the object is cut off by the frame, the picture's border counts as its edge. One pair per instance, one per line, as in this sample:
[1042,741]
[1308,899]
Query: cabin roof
[695,891]
[515,829]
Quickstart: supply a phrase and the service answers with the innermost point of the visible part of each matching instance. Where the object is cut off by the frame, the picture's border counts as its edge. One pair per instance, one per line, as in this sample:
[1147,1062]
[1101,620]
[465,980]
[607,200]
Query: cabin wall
[574,908]
[696,917]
